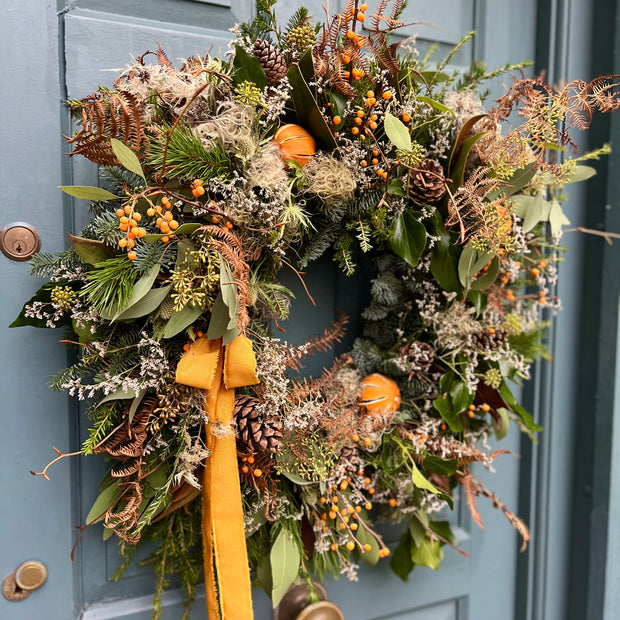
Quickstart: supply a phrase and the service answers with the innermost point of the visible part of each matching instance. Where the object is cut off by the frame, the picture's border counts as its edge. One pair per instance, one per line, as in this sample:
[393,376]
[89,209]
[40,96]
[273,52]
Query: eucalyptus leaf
[119,394]
[557,217]
[230,335]
[149,303]
[228,289]
[397,132]
[136,403]
[105,500]
[580,173]
[534,213]
[484,281]
[293,477]
[140,289]
[408,237]
[470,263]
[180,320]
[85,192]
[90,251]
[219,319]
[127,158]
[285,559]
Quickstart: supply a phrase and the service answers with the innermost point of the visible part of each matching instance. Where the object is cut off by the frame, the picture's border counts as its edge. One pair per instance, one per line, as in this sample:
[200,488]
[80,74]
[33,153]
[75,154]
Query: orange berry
[350,545]
[357,121]
[360,17]
[354,526]
[185,347]
[442,427]
[368,506]
[322,500]
[486,408]
[245,469]
[195,193]
[472,407]
[363,163]
[131,243]
[367,547]
[173,224]
[199,334]
[335,499]
[258,473]
[374,161]
[250,459]
[346,59]
[471,414]
[198,182]
[165,229]
[372,125]
[367,441]
[150,212]
[334,547]
[344,484]
[133,223]
[131,255]
[168,216]
[358,509]
[337,120]
[360,113]
[387,94]
[165,200]
[332,514]
[350,35]
[363,7]
[380,172]
[120,212]
[393,502]
[137,217]
[127,209]
[342,526]
[406,118]
[229,225]
[122,243]
[372,101]
[123,227]
[215,220]
[124,220]
[355,131]
[140,232]
[371,491]
[383,553]
[355,437]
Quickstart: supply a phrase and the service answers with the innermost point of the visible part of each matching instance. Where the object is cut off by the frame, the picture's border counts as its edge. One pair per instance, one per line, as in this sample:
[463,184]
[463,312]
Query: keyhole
[18,249]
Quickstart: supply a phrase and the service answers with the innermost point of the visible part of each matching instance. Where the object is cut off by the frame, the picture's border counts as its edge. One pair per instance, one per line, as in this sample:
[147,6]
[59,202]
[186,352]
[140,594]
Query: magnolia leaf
[90,251]
[107,533]
[428,554]
[501,429]
[457,171]
[408,237]
[444,266]
[479,284]
[119,394]
[400,561]
[580,173]
[86,192]
[127,158]
[43,295]
[106,499]
[420,481]
[397,132]
[285,559]
[149,303]
[180,320]
[183,229]
[248,69]
[140,289]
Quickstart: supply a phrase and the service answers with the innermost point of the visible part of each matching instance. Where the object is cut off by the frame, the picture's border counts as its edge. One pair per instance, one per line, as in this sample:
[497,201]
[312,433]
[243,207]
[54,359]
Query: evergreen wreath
[221,175]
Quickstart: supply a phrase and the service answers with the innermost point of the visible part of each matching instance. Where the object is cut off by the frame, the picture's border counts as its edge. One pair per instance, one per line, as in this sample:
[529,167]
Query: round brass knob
[31,576]
[323,610]
[24,581]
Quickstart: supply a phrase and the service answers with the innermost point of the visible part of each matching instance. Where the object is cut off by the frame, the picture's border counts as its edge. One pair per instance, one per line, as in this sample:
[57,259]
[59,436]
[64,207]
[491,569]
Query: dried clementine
[295,144]
[380,394]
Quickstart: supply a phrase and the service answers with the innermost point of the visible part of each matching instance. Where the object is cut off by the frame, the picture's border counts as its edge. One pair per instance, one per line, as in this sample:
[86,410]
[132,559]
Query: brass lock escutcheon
[296,605]
[29,576]
[19,241]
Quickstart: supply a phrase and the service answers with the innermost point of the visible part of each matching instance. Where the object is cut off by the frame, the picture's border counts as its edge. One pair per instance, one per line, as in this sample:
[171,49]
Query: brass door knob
[28,577]
[323,610]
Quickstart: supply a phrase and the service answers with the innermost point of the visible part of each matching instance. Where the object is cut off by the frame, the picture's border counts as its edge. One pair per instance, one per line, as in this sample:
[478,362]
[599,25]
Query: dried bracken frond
[104,115]
[318,343]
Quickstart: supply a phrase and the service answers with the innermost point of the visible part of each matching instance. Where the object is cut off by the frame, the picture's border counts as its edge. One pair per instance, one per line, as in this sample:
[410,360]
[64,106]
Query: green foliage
[110,284]
[43,265]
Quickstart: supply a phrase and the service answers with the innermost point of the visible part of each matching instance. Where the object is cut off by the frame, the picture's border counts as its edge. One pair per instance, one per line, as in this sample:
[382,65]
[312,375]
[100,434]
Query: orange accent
[218,370]
[380,394]
[295,144]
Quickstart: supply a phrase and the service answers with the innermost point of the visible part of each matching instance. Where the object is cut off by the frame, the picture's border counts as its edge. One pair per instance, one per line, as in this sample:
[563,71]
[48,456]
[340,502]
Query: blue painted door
[54,53]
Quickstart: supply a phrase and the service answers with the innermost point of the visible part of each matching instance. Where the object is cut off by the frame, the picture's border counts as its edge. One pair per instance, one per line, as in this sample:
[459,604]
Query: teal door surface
[53,52]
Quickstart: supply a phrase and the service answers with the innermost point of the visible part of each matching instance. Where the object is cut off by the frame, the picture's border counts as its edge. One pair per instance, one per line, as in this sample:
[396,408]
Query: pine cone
[271,60]
[419,355]
[251,431]
[490,340]
[350,460]
[301,38]
[428,184]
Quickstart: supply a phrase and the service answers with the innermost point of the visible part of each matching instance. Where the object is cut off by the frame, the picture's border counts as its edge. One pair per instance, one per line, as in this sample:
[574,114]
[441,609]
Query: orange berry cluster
[471,410]
[246,468]
[128,223]
[197,188]
[375,162]
[165,220]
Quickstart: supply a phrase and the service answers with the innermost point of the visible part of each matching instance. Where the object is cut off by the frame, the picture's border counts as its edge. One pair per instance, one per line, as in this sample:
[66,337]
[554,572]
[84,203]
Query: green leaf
[443,529]
[517,182]
[228,289]
[136,403]
[534,213]
[248,69]
[90,251]
[557,217]
[43,294]
[408,237]
[395,187]
[140,289]
[580,173]
[285,560]
[119,394]
[106,499]
[400,561]
[458,170]
[183,229]
[479,284]
[180,320]
[435,104]
[85,192]
[308,111]
[149,303]
[428,554]
[420,481]
[478,300]
[417,531]
[514,406]
[127,158]
[219,318]
[444,266]
[368,557]
[470,263]
[445,467]
[501,429]
[397,132]
[230,335]
[293,477]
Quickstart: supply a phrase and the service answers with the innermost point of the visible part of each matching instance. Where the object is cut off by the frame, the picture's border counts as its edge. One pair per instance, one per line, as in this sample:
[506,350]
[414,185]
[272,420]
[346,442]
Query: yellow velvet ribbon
[219,370]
